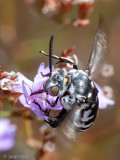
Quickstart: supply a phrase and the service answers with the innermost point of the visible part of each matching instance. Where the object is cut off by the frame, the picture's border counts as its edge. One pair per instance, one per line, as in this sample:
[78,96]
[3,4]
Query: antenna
[50,54]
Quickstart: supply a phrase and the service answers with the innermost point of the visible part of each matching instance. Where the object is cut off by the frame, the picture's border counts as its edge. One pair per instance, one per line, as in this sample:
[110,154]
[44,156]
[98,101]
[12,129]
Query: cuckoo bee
[74,88]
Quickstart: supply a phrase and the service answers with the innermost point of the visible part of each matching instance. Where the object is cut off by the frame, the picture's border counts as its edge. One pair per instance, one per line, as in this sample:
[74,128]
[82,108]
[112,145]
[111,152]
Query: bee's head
[57,83]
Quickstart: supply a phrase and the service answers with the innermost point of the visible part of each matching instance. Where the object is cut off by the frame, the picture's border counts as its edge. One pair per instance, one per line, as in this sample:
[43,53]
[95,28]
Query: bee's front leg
[68,102]
[56,121]
[52,121]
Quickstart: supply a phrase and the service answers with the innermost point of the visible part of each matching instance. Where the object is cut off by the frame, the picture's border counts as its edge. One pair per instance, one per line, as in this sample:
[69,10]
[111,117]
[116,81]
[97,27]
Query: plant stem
[5,114]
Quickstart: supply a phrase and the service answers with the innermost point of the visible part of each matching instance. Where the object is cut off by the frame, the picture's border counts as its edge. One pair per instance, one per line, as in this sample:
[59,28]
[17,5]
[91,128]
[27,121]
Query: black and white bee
[75,89]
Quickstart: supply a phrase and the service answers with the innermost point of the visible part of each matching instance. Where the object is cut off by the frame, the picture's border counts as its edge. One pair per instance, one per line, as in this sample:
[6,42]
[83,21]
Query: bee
[75,88]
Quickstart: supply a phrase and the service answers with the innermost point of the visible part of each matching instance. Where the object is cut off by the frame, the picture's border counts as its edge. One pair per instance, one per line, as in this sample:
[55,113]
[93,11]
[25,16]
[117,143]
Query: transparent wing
[67,130]
[97,52]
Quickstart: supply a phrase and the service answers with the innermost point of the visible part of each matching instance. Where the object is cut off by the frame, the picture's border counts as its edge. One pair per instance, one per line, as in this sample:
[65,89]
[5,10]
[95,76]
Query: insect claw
[81,100]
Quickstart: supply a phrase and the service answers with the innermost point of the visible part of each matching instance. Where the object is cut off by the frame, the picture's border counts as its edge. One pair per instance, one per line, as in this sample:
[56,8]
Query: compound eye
[53,91]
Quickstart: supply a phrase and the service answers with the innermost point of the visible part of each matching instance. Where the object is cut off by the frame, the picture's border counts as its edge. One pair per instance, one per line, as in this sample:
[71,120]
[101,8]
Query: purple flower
[7,133]
[8,83]
[103,100]
[36,102]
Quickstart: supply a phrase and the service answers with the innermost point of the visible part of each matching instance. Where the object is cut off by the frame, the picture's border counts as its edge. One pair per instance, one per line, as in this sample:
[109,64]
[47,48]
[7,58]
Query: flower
[8,83]
[7,133]
[81,22]
[33,100]
[108,91]
[103,100]
[107,70]
[49,146]
[50,6]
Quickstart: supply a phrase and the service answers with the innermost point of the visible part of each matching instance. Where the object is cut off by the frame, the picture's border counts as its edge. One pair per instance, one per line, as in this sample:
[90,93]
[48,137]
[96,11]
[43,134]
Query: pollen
[65,80]
[56,69]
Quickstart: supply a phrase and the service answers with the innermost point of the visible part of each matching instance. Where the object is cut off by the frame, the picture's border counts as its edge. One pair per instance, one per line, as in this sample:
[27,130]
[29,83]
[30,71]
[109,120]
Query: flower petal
[47,70]
[23,101]
[103,100]
[24,98]
[35,108]
[38,82]
[6,144]
[7,133]
[21,78]
[41,68]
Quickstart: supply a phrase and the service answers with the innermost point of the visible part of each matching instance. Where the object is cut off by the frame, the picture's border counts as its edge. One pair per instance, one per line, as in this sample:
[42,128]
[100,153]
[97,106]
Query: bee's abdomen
[88,116]
[84,116]
[79,119]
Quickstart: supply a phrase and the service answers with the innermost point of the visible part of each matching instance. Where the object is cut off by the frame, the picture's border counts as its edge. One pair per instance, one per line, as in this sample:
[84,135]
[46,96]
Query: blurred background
[24,31]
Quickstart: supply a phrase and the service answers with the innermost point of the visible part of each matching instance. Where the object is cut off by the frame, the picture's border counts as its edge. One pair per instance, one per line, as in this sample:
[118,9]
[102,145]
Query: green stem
[5,114]
[9,114]
[38,119]
[28,128]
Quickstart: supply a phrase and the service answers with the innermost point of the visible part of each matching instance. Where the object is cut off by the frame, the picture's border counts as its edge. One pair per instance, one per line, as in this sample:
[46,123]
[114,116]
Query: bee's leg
[44,75]
[68,102]
[52,104]
[67,60]
[53,121]
[37,92]
[46,112]
[56,121]
[81,99]
[62,59]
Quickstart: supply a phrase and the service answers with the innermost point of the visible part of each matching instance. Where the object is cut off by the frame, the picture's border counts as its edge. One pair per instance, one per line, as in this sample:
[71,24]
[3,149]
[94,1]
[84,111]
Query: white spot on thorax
[81,83]
[89,95]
